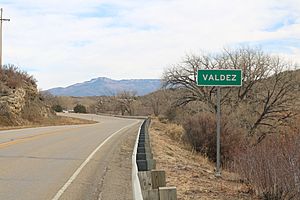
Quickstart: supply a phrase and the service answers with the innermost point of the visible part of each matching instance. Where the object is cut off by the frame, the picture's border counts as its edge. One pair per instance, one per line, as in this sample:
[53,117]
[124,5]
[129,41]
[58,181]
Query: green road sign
[219,77]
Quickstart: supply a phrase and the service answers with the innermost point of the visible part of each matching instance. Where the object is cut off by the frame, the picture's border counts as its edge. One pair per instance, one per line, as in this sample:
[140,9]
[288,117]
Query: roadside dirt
[54,121]
[191,173]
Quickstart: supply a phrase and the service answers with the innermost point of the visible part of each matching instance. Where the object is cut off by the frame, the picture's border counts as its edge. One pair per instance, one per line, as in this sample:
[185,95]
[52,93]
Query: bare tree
[125,102]
[273,100]
[101,105]
[157,100]
[267,90]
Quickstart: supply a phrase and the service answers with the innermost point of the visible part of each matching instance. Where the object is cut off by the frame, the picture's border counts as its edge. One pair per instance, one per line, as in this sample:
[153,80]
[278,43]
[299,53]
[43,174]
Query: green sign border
[222,85]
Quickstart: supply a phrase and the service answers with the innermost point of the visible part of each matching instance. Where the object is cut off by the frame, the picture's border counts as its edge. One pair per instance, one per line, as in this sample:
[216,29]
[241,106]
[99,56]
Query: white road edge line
[76,173]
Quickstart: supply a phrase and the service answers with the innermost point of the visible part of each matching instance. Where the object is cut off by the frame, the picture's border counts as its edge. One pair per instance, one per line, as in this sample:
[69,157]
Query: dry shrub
[32,112]
[174,131]
[200,133]
[171,113]
[162,119]
[272,167]
[13,77]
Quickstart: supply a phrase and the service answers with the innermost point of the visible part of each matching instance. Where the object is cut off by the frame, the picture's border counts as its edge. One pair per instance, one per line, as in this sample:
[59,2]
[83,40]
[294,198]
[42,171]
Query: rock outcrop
[20,101]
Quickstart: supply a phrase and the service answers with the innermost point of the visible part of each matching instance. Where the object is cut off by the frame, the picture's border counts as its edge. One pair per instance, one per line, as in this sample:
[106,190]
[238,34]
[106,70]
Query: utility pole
[1,20]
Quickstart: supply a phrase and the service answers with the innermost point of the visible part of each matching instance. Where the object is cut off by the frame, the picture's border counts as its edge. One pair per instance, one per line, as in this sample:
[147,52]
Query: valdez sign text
[219,77]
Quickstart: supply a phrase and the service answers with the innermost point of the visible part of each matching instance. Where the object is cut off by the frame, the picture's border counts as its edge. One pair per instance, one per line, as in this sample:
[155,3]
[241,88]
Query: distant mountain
[107,87]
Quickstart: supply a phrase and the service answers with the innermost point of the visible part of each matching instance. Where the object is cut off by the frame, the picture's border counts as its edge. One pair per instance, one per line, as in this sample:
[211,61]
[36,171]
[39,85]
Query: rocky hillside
[20,102]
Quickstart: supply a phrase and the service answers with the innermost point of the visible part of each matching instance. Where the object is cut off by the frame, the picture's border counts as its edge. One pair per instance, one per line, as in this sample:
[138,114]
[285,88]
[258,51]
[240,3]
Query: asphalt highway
[68,162]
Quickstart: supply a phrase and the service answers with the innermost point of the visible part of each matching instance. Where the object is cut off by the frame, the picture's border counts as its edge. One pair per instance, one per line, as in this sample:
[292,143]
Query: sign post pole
[218,164]
[219,78]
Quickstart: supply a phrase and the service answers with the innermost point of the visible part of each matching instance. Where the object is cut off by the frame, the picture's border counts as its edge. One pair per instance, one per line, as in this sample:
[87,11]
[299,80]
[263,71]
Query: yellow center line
[33,137]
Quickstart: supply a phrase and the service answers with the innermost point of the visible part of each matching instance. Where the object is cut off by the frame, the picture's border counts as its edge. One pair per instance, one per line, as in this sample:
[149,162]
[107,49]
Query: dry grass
[174,131]
[62,120]
[53,121]
[191,173]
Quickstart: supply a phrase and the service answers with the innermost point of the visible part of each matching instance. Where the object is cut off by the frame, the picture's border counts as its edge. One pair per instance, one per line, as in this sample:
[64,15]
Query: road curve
[68,162]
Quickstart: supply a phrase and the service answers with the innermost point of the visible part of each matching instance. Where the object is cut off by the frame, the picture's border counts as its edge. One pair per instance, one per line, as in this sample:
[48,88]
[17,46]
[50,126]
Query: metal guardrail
[148,183]
[136,188]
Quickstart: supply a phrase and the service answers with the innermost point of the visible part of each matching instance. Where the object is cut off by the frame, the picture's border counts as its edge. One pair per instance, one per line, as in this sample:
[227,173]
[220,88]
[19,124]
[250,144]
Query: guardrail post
[150,194]
[145,180]
[151,164]
[158,179]
[167,193]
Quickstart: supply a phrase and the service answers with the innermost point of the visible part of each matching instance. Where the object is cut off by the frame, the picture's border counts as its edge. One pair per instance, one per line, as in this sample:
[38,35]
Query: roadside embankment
[192,173]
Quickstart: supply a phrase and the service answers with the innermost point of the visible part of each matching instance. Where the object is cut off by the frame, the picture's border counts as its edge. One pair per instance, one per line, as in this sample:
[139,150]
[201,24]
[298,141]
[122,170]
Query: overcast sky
[62,42]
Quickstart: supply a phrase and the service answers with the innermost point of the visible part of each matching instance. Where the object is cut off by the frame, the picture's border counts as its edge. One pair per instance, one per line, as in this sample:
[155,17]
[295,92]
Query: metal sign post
[218,164]
[219,78]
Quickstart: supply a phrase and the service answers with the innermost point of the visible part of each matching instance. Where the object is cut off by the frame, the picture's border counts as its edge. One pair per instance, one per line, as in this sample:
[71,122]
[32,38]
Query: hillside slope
[190,172]
[107,87]
[20,102]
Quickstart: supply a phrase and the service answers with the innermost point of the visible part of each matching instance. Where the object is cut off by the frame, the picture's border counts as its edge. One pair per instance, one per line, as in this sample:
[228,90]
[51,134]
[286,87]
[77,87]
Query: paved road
[68,162]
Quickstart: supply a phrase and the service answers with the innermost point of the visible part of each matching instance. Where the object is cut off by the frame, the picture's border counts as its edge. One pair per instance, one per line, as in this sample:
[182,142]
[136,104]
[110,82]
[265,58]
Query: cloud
[65,42]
